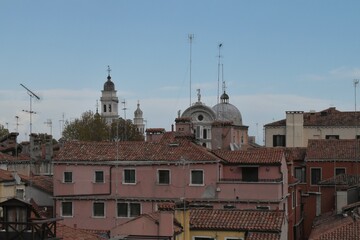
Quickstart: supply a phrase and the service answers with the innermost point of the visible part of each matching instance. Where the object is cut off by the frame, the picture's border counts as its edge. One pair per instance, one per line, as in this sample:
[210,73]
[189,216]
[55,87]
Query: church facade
[219,127]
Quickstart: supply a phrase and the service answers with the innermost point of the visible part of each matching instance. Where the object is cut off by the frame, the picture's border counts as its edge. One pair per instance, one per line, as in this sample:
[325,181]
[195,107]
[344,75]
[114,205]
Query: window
[68,177]
[197,177]
[125,209]
[279,141]
[332,136]
[339,171]
[203,238]
[263,207]
[164,176]
[293,196]
[99,176]
[200,117]
[109,107]
[99,209]
[20,193]
[204,133]
[66,209]
[129,176]
[104,107]
[233,238]
[315,175]
[250,174]
[300,174]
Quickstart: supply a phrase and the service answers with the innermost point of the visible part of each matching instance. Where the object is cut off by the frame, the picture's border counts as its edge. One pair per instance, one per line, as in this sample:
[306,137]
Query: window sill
[196,185]
[125,183]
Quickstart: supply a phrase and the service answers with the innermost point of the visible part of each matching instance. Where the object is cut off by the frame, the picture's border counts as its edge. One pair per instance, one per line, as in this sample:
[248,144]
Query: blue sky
[277,56]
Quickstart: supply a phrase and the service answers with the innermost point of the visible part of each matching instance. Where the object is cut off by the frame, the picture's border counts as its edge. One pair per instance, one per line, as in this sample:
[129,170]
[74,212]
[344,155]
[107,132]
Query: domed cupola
[138,113]
[109,85]
[225,111]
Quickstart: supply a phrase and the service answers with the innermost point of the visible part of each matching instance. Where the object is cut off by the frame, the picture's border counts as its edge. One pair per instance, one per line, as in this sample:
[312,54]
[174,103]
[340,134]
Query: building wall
[294,128]
[218,235]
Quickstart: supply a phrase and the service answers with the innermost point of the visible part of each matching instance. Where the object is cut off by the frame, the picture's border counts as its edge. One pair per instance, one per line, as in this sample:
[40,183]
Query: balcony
[260,180]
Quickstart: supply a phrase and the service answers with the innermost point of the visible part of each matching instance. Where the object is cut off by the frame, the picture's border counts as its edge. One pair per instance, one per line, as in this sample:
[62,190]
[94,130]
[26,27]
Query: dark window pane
[164,176]
[99,176]
[315,176]
[129,175]
[134,209]
[122,209]
[66,209]
[250,174]
[68,177]
[197,177]
[99,210]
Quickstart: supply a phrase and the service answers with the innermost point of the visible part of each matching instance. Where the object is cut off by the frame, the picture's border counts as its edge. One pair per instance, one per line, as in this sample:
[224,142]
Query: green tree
[3,130]
[91,127]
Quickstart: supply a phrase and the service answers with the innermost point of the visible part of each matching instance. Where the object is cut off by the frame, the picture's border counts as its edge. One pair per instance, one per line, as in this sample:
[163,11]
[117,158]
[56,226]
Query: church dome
[109,85]
[138,112]
[225,111]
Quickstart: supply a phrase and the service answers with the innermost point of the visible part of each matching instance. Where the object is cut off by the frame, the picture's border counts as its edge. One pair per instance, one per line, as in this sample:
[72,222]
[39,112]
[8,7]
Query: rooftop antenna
[219,60]
[124,108]
[49,124]
[30,111]
[17,123]
[191,37]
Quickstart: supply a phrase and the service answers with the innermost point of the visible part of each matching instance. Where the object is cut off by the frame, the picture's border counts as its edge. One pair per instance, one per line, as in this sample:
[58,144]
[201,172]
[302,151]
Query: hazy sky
[277,56]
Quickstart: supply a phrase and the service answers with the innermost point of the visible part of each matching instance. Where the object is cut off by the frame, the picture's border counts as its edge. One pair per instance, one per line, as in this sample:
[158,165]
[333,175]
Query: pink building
[102,185]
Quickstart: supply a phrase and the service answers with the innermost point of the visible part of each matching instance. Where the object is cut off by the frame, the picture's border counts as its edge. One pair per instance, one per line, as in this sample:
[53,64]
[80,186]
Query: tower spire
[108,70]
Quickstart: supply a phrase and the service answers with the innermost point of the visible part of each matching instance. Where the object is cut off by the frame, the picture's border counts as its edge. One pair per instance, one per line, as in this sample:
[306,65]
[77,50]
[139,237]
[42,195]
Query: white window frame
[103,180]
[72,177]
[203,177]
[123,180]
[62,211]
[158,176]
[93,209]
[128,214]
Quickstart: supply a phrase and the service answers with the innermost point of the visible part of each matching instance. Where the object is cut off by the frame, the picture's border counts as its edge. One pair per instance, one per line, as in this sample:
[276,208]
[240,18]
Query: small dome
[224,97]
[227,112]
[138,112]
[109,85]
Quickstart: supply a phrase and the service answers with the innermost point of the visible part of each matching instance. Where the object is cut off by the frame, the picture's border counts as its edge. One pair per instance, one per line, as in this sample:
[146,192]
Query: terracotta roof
[342,179]
[336,227]
[253,156]
[155,130]
[263,236]
[331,149]
[68,233]
[6,176]
[6,157]
[42,182]
[133,151]
[235,219]
[327,117]
[295,154]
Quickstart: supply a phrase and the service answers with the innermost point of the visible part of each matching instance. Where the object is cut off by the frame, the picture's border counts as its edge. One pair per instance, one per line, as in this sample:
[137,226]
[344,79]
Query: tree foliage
[3,130]
[91,127]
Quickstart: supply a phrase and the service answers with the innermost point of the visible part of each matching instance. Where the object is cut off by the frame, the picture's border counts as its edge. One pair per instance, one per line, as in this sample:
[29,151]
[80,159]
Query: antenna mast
[31,112]
[219,56]
[124,108]
[191,37]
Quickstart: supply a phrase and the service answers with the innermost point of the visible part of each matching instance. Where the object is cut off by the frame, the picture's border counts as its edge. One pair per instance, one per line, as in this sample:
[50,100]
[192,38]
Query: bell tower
[109,101]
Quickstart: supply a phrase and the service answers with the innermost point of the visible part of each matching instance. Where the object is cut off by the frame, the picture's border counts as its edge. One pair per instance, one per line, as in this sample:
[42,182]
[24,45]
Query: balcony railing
[260,180]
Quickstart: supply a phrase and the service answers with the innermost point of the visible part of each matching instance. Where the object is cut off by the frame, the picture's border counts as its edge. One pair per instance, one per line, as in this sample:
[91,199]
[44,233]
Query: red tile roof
[327,117]
[133,151]
[337,227]
[6,176]
[295,154]
[253,156]
[42,182]
[235,219]
[263,236]
[331,149]
[68,233]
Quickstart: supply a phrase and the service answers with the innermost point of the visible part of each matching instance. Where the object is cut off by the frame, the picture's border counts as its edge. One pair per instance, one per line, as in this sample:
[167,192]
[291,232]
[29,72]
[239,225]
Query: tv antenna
[219,63]
[30,111]
[49,124]
[191,37]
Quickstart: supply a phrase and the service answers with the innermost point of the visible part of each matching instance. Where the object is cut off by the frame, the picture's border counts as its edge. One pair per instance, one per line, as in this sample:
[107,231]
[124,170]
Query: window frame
[64,177]
[279,140]
[96,180]
[311,176]
[303,174]
[158,177]
[124,176]
[103,209]
[62,209]
[203,237]
[191,177]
